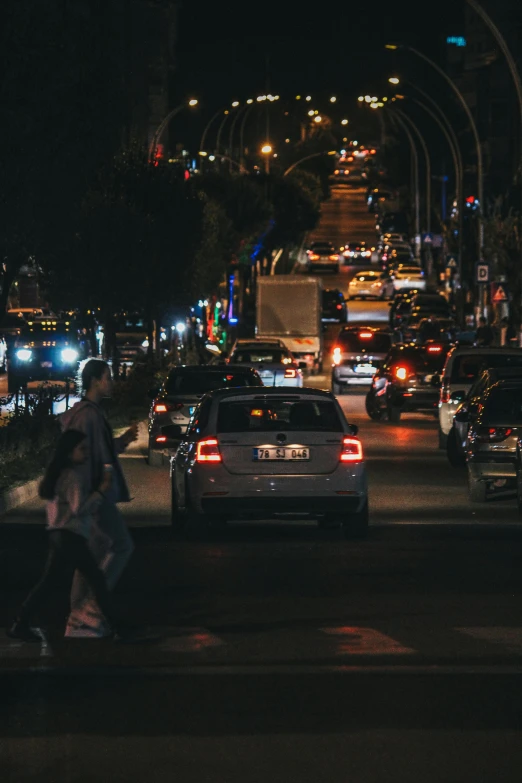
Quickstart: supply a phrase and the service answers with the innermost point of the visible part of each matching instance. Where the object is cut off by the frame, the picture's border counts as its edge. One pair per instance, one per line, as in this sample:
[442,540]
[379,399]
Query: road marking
[364,641]
[508,636]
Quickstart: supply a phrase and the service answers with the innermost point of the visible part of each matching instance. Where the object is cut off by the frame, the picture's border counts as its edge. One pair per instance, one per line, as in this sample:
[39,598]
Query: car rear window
[467,367]
[368,275]
[200,383]
[504,406]
[408,270]
[420,361]
[364,339]
[278,414]
[259,356]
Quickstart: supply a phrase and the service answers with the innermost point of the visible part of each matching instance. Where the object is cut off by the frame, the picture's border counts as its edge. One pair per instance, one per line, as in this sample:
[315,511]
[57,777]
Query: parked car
[470,406]
[263,453]
[463,366]
[491,445]
[357,354]
[276,366]
[174,402]
[371,284]
[334,309]
[45,350]
[408,380]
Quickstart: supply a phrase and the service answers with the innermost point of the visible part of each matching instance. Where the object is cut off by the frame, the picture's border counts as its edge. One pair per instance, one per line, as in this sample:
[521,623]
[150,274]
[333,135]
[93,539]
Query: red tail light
[165,407]
[434,348]
[365,335]
[339,307]
[493,434]
[208,451]
[161,439]
[445,390]
[352,450]
[401,373]
[290,373]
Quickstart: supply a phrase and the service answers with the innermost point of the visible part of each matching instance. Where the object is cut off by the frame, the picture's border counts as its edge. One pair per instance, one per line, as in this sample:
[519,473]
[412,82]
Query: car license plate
[365,368]
[46,364]
[280,454]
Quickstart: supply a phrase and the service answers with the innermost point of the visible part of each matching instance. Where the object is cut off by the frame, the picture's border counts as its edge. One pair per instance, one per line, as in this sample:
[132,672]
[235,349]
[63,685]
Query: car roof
[482,350]
[212,368]
[270,391]
[377,326]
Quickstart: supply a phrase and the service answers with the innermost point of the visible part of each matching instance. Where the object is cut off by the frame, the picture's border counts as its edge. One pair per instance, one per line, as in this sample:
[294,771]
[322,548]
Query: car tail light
[493,434]
[165,407]
[314,256]
[445,390]
[365,335]
[401,373]
[161,439]
[290,373]
[339,306]
[352,450]
[434,348]
[333,257]
[336,356]
[208,451]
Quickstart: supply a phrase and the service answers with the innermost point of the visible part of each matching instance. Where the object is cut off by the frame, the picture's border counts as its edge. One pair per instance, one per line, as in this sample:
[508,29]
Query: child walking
[71,508]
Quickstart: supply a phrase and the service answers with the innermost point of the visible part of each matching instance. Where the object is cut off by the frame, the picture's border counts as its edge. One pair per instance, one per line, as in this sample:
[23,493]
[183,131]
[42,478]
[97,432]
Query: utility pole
[267,92]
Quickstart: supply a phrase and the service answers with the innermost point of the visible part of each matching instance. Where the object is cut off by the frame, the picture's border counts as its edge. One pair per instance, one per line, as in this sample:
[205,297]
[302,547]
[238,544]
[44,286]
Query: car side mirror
[458,396]
[153,393]
[354,429]
[302,365]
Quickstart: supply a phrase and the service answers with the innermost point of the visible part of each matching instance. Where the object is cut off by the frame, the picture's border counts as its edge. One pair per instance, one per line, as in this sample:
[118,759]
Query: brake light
[314,256]
[165,407]
[161,439]
[339,307]
[434,348]
[493,434]
[290,373]
[352,450]
[336,356]
[365,335]
[401,373]
[208,451]
[445,390]
[333,258]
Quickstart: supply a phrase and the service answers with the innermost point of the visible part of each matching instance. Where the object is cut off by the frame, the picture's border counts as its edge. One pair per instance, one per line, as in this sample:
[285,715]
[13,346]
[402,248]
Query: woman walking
[71,508]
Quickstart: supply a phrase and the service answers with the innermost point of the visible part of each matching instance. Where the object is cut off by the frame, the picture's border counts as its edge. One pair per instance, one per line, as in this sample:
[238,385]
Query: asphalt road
[286,652]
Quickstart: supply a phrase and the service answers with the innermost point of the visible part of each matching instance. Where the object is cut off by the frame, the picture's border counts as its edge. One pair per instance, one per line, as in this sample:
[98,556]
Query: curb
[19,495]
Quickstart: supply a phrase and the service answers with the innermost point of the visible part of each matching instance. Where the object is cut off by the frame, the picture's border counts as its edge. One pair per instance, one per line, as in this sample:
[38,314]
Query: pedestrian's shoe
[134,636]
[20,630]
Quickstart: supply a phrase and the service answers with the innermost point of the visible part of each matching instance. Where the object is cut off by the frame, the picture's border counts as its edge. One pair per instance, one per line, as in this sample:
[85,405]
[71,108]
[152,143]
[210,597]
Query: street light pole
[153,146]
[428,165]
[415,168]
[207,128]
[307,157]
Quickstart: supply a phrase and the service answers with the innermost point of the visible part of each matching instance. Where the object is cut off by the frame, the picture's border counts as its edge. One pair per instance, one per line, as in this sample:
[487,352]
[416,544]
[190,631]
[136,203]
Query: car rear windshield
[278,414]
[467,367]
[364,339]
[420,361]
[371,274]
[260,356]
[504,406]
[332,296]
[408,270]
[202,382]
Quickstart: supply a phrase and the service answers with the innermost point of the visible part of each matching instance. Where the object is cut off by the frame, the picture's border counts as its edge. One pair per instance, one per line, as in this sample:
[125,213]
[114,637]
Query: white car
[463,365]
[266,453]
[3,353]
[372,283]
[408,277]
[276,365]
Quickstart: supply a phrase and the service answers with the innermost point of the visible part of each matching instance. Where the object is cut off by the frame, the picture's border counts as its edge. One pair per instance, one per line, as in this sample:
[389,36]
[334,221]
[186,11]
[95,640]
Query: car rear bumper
[418,401]
[262,507]
[483,466]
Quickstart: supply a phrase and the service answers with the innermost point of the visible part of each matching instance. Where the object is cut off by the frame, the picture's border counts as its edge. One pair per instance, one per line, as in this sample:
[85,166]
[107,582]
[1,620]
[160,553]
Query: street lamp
[344,122]
[153,146]
[266,149]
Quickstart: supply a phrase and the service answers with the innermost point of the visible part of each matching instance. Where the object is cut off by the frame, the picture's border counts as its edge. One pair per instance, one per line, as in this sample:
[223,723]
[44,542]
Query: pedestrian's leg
[82,558]
[40,592]
[112,547]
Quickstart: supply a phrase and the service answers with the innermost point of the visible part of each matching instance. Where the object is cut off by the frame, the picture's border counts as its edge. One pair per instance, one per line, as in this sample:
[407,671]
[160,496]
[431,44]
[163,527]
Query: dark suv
[334,308]
[408,380]
[358,352]
[46,349]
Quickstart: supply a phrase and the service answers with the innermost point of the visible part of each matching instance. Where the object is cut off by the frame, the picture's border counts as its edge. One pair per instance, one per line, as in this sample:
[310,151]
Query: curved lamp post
[307,157]
[153,146]
[415,170]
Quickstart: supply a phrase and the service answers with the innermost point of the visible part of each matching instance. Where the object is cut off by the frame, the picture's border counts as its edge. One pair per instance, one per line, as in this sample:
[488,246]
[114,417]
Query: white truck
[288,307]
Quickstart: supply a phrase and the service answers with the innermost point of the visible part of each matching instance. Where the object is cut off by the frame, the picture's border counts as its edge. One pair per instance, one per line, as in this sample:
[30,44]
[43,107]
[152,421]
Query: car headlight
[69,355]
[24,354]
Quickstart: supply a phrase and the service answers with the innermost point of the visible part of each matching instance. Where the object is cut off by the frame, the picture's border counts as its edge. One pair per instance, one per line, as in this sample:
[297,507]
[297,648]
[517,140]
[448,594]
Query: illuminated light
[352,450]
[226,111]
[434,348]
[290,373]
[373,105]
[344,122]
[336,355]
[318,118]
[360,98]
[390,46]
[235,103]
[161,439]
[212,157]
[193,102]
[276,97]
[257,413]
[316,112]
[456,40]
[365,335]
[298,97]
[470,199]
[314,257]
[401,373]
[160,407]
[287,141]
[394,80]
[385,99]
[311,113]
[308,98]
[250,100]
[266,149]
[180,327]
[347,171]
[69,355]
[355,143]
[333,99]
[368,98]
[336,171]
[208,450]
[24,354]
[203,153]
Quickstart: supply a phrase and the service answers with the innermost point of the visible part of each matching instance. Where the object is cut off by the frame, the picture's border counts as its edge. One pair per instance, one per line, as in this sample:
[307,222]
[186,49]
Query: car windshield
[278,414]
[332,296]
[468,366]
[261,356]
[202,382]
[364,340]
[504,406]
